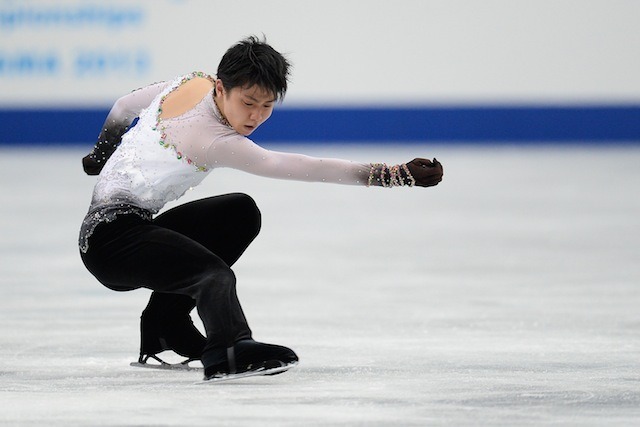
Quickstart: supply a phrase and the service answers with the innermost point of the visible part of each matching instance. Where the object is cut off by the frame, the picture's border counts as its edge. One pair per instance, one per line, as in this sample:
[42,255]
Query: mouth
[249,128]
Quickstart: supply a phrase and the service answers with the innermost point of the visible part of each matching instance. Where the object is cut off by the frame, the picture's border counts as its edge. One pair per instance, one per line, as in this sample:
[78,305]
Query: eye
[248,104]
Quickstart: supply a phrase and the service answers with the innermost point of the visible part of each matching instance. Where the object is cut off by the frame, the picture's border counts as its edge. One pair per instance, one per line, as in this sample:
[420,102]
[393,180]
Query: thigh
[224,224]
[126,255]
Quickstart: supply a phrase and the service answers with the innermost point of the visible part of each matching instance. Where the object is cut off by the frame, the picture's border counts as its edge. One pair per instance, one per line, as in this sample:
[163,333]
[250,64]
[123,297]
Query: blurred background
[380,71]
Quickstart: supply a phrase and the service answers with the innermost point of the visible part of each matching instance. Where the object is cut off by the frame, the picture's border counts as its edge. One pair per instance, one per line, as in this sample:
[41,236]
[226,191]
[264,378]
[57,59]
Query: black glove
[427,173]
[108,141]
[91,166]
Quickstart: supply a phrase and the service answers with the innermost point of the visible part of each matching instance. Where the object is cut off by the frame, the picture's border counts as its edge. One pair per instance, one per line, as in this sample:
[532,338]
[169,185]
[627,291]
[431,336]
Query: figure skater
[161,140]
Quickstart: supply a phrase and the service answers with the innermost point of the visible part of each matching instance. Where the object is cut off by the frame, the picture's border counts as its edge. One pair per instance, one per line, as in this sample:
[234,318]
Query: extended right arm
[241,153]
[122,114]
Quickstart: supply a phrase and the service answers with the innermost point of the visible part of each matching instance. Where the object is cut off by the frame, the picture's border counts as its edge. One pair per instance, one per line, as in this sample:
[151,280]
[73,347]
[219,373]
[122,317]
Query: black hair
[253,62]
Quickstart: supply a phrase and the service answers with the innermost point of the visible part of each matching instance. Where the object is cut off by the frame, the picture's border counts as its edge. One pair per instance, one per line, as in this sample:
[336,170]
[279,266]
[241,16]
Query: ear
[219,87]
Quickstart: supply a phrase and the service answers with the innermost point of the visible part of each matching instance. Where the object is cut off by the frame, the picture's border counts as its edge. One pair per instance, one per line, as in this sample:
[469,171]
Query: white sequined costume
[158,160]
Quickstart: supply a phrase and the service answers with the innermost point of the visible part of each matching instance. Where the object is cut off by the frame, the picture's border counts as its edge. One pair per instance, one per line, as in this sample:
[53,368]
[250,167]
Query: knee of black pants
[249,211]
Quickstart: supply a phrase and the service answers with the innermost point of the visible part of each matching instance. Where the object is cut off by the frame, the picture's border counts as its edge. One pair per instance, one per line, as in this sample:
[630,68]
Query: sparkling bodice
[147,170]
[158,160]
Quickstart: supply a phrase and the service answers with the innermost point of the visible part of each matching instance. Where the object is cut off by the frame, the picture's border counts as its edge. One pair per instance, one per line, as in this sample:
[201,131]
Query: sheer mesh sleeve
[122,114]
[243,154]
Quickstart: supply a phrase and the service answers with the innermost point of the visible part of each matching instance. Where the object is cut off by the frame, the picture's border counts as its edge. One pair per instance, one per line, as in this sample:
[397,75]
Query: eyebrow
[258,101]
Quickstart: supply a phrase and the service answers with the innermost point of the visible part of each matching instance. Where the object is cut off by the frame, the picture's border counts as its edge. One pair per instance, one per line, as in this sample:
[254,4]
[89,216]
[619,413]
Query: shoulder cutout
[185,97]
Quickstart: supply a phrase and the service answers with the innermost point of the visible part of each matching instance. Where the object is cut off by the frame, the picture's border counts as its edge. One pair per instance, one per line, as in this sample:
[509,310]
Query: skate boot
[178,334]
[247,358]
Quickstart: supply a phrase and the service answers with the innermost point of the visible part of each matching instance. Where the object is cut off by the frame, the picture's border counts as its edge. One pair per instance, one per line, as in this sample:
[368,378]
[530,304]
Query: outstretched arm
[122,114]
[241,153]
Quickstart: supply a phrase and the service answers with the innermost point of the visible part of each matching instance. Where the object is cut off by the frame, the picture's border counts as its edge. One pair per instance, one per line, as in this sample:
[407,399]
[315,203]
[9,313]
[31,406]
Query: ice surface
[508,295]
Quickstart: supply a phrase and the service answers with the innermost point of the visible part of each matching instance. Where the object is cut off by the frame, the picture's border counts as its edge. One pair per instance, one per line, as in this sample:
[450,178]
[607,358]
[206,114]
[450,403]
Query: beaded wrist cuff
[395,176]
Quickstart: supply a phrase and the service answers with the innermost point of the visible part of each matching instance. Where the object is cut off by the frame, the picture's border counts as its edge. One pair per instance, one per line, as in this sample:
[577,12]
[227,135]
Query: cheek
[236,114]
[267,114]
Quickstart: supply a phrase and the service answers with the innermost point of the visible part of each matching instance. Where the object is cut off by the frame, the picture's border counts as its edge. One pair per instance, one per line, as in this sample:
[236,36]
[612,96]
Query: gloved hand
[427,173]
[91,167]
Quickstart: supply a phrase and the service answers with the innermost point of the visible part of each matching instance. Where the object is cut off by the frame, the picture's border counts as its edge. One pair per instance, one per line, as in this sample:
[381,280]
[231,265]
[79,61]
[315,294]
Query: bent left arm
[122,114]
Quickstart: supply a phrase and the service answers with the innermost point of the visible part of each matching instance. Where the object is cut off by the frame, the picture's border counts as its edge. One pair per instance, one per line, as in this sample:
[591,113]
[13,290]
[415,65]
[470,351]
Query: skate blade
[167,366]
[256,373]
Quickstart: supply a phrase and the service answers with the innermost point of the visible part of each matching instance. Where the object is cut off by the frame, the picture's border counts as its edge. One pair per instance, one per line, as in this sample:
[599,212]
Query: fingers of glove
[438,166]
[420,162]
[427,173]
[428,182]
[91,167]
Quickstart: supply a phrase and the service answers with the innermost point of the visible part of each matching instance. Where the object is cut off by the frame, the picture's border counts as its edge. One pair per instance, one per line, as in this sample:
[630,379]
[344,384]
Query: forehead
[256,93]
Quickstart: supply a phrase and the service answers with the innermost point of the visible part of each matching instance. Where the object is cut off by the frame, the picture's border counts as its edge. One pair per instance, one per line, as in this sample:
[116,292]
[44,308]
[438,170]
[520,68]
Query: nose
[256,115]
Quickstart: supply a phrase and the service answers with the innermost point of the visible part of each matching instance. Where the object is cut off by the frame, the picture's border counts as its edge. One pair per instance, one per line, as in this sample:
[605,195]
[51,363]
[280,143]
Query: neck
[218,99]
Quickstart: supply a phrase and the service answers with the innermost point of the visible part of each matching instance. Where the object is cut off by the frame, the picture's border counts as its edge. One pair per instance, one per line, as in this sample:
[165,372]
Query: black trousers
[185,256]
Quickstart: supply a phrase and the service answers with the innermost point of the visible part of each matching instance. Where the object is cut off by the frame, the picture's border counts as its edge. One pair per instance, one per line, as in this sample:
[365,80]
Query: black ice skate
[248,358]
[176,332]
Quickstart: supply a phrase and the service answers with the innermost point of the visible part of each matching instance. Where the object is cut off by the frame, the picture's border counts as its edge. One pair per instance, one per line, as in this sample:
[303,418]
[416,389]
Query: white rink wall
[86,53]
